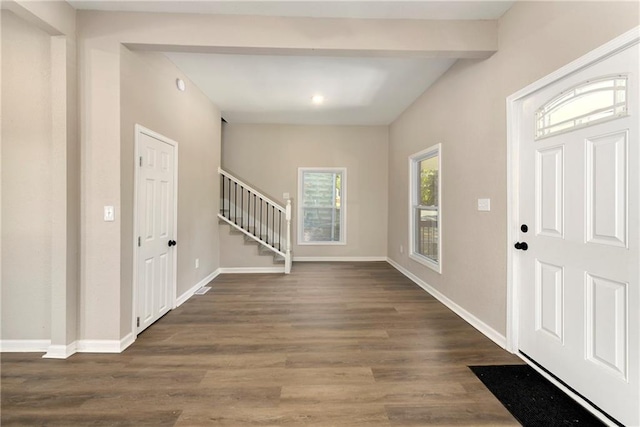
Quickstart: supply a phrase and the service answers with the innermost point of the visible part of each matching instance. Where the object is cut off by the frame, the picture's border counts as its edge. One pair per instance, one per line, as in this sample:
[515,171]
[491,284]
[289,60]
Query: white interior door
[578,184]
[156,202]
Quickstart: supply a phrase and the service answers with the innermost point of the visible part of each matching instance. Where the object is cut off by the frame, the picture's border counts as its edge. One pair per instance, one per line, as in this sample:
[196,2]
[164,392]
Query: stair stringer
[251,236]
[239,252]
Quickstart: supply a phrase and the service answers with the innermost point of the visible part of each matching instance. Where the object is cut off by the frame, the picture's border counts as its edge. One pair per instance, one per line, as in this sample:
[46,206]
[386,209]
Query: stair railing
[258,217]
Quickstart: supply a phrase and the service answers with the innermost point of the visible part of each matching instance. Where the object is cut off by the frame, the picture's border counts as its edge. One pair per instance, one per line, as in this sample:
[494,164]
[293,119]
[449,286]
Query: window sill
[435,266]
[322,243]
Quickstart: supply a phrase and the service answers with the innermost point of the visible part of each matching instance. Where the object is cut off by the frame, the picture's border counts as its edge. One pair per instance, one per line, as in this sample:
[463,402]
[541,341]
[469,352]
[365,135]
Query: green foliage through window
[429,187]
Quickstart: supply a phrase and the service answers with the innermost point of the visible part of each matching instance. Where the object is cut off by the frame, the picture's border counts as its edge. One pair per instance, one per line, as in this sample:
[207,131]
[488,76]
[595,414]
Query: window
[425,213]
[322,206]
[592,102]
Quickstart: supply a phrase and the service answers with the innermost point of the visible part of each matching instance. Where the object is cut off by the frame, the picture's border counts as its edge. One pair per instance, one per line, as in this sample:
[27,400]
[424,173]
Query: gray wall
[26,180]
[150,98]
[40,176]
[100,37]
[465,111]
[268,156]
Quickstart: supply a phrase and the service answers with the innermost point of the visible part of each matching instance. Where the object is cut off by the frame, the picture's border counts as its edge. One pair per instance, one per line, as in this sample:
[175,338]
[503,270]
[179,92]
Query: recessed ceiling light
[317,99]
[181,85]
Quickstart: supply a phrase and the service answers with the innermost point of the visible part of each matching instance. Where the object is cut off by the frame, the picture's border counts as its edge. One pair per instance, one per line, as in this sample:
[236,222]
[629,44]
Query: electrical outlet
[285,196]
[197,262]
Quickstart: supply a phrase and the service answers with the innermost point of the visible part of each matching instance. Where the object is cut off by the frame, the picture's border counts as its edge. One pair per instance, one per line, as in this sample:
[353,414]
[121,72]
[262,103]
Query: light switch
[109,213]
[484,205]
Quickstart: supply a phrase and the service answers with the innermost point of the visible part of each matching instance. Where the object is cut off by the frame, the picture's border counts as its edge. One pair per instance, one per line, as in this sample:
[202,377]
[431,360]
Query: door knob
[172,243]
[521,245]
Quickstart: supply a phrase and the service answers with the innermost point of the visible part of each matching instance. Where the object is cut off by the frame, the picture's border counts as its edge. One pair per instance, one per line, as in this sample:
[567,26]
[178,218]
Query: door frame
[141,130]
[514,107]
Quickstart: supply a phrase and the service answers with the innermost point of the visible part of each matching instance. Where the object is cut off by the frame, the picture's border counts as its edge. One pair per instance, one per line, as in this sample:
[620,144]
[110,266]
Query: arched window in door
[591,102]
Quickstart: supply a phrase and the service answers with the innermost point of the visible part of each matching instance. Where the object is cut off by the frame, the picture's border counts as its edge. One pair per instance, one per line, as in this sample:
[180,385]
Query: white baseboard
[251,270]
[98,346]
[24,346]
[105,346]
[59,351]
[127,340]
[188,294]
[339,258]
[485,329]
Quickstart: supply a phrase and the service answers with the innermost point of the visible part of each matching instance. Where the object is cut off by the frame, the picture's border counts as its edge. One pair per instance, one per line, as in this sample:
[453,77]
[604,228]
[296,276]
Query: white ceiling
[278,88]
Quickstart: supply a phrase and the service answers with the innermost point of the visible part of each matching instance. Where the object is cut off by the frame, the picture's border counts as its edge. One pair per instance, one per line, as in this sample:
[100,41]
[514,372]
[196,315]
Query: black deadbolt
[524,228]
[172,243]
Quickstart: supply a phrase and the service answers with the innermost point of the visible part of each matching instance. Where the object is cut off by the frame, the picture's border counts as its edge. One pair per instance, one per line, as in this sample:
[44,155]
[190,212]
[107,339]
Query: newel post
[287,259]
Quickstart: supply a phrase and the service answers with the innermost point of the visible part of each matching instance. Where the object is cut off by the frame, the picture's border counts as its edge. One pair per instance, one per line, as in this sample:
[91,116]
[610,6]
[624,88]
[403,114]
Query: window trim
[414,160]
[343,206]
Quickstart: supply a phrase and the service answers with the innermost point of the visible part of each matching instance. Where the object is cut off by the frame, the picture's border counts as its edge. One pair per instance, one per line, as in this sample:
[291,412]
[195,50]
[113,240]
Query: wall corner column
[99,60]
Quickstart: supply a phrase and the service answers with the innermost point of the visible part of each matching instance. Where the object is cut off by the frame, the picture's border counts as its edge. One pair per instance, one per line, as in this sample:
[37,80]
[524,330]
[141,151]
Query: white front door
[578,192]
[156,202]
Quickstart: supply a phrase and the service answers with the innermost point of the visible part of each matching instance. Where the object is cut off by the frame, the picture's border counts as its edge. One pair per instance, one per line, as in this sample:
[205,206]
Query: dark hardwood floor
[332,344]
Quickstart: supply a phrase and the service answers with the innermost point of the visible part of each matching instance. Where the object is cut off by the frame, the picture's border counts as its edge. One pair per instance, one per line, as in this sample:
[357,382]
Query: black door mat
[531,398]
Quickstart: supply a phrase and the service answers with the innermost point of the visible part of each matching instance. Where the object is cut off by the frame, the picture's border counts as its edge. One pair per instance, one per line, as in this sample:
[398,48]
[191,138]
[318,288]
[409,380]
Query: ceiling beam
[56,18]
[294,35]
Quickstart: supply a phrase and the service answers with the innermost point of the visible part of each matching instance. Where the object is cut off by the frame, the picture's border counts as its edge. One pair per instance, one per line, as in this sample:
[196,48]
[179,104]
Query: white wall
[26,180]
[268,157]
[149,97]
[465,111]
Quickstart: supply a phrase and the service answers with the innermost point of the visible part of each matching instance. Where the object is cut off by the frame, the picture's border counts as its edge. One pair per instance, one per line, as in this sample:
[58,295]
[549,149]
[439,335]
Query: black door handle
[522,246]
[172,243]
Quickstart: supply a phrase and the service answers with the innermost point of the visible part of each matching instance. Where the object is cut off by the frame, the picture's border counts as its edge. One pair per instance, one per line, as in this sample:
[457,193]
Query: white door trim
[141,130]
[513,106]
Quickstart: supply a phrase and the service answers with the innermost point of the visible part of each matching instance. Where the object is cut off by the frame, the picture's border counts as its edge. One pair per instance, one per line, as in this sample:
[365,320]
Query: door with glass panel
[577,255]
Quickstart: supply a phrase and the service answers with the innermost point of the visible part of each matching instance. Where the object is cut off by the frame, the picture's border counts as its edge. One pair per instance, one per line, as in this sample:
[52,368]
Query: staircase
[259,218]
